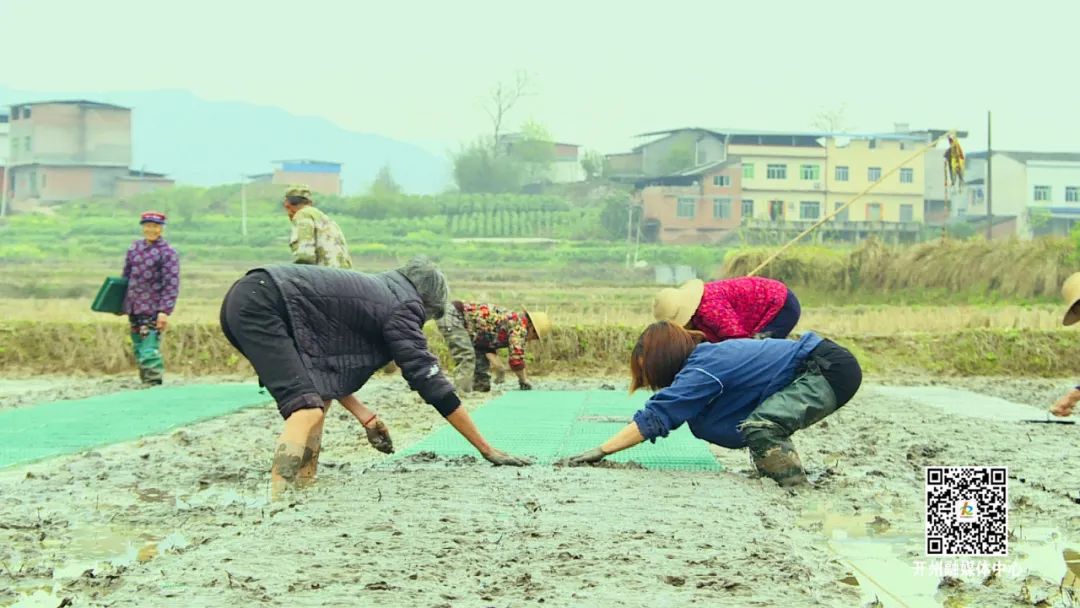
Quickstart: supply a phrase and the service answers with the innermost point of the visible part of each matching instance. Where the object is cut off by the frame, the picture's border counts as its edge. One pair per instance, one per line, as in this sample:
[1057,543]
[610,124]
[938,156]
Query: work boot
[781,464]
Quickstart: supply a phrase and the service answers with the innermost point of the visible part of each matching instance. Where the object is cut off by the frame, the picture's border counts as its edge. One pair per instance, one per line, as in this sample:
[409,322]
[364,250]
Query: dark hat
[152,216]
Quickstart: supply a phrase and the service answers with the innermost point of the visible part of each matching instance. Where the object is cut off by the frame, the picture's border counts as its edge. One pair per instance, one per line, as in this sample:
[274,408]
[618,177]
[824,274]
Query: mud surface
[183,519]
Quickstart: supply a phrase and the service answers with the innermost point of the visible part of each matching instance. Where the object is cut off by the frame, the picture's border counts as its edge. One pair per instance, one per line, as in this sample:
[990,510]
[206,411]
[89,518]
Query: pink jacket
[738,308]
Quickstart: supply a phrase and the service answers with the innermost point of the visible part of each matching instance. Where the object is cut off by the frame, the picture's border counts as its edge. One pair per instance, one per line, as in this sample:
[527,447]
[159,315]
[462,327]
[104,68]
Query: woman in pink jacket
[744,307]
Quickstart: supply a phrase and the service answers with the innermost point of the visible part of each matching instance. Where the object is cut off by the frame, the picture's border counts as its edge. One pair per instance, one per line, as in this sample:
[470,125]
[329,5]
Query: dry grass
[200,349]
[630,307]
[1012,269]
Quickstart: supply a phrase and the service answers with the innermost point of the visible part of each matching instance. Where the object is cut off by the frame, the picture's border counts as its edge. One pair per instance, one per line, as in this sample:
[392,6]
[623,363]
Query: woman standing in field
[744,307]
[738,393]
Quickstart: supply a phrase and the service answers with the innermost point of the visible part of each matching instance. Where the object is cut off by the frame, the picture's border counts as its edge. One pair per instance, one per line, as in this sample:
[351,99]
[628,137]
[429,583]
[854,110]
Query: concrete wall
[63,133]
[1011,191]
[322,183]
[629,163]
[54,184]
[703,147]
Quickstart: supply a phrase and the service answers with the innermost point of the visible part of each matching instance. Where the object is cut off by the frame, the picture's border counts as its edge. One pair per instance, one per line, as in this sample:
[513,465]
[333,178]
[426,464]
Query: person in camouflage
[316,239]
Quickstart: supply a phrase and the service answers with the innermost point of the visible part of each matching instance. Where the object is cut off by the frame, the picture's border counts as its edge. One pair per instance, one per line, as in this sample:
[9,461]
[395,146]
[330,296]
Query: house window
[26,143]
[721,208]
[873,212]
[907,176]
[1042,193]
[873,174]
[748,171]
[841,174]
[15,114]
[809,210]
[26,112]
[1072,194]
[907,213]
[747,208]
[810,172]
[721,181]
[776,172]
[776,210]
[843,215]
[873,144]
[687,207]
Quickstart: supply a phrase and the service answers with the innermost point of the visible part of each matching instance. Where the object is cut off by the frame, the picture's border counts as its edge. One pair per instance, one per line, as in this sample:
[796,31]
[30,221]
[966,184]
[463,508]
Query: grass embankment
[197,349]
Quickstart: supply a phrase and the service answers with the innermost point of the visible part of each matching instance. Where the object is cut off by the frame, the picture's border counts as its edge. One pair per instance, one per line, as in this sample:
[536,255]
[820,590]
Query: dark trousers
[256,322]
[785,320]
[828,379]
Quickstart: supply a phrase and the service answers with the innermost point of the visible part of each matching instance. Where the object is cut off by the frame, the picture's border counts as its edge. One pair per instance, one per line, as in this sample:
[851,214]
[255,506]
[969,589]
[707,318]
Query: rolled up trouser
[830,377]
[452,327]
[146,346]
[255,321]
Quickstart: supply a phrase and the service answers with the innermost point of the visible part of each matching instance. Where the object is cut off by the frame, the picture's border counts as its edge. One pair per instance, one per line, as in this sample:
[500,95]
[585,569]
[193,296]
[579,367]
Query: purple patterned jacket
[153,274]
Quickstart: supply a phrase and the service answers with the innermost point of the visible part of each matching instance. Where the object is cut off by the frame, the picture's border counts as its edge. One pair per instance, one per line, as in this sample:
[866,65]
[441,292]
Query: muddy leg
[309,465]
[292,451]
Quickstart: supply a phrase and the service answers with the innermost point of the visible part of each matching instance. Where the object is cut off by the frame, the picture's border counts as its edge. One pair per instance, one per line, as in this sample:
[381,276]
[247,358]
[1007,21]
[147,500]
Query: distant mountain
[205,142]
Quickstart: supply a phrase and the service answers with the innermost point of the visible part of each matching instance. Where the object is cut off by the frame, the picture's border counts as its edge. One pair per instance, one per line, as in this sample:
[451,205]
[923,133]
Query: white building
[1040,189]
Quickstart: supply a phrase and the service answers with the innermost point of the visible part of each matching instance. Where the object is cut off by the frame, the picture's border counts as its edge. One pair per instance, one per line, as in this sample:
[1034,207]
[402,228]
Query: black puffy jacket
[347,325]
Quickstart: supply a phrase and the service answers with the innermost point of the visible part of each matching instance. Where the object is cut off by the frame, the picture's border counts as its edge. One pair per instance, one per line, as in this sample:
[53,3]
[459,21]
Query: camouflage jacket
[317,239]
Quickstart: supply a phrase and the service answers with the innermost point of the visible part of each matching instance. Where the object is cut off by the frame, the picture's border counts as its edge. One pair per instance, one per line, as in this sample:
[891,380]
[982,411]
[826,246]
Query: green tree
[593,164]
[384,184]
[477,168]
[534,150]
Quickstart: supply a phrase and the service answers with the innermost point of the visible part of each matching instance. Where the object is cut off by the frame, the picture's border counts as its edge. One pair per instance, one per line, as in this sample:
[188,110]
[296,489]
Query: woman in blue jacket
[736,393]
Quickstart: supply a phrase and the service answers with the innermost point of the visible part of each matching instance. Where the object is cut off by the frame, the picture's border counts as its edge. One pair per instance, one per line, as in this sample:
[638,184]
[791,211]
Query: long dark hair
[660,354]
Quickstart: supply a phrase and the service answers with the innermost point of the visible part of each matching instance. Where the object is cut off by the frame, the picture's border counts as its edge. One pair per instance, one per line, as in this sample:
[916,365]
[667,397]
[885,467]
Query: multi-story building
[64,150]
[1040,191]
[698,205]
[801,177]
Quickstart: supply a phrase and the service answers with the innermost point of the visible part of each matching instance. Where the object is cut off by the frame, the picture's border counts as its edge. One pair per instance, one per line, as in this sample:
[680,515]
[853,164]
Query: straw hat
[1070,292]
[678,305]
[540,322]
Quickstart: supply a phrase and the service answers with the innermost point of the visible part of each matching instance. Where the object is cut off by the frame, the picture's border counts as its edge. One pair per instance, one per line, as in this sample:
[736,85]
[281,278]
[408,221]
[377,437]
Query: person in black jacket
[314,334]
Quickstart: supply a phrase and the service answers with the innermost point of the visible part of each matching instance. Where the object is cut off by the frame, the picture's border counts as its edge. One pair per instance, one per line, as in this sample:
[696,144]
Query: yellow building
[793,176]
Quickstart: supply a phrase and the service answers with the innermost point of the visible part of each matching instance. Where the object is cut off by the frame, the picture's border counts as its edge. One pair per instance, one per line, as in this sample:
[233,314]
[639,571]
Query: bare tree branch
[502,99]
[832,120]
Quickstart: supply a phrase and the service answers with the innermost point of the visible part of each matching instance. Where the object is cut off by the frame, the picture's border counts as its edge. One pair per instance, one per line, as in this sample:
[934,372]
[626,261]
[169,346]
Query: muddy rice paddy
[184,520]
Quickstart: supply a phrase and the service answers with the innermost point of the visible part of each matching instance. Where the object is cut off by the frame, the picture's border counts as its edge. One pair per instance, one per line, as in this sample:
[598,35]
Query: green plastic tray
[550,425]
[110,298]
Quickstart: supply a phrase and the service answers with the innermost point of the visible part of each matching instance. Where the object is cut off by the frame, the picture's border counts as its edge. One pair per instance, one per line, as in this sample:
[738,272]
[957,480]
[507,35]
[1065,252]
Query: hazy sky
[603,71]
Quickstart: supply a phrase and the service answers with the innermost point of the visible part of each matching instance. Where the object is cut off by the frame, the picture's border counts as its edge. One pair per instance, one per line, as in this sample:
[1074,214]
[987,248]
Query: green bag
[110,298]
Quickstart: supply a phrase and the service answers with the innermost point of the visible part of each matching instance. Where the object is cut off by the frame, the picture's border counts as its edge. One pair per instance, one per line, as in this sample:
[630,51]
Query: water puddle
[965,403]
[887,562]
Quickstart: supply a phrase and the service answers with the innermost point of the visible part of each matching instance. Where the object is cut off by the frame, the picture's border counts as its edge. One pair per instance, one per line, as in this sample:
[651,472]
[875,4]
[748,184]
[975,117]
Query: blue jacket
[720,385]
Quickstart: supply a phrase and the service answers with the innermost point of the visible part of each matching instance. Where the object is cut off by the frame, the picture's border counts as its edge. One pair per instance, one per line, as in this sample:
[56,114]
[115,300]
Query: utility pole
[629,228]
[243,206]
[989,199]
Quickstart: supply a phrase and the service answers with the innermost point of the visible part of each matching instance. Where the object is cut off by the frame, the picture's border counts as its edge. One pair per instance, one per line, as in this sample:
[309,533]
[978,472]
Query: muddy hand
[587,457]
[379,437]
[500,458]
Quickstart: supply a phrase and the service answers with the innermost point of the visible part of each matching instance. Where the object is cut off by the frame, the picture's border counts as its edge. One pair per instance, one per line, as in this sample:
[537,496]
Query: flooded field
[184,519]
